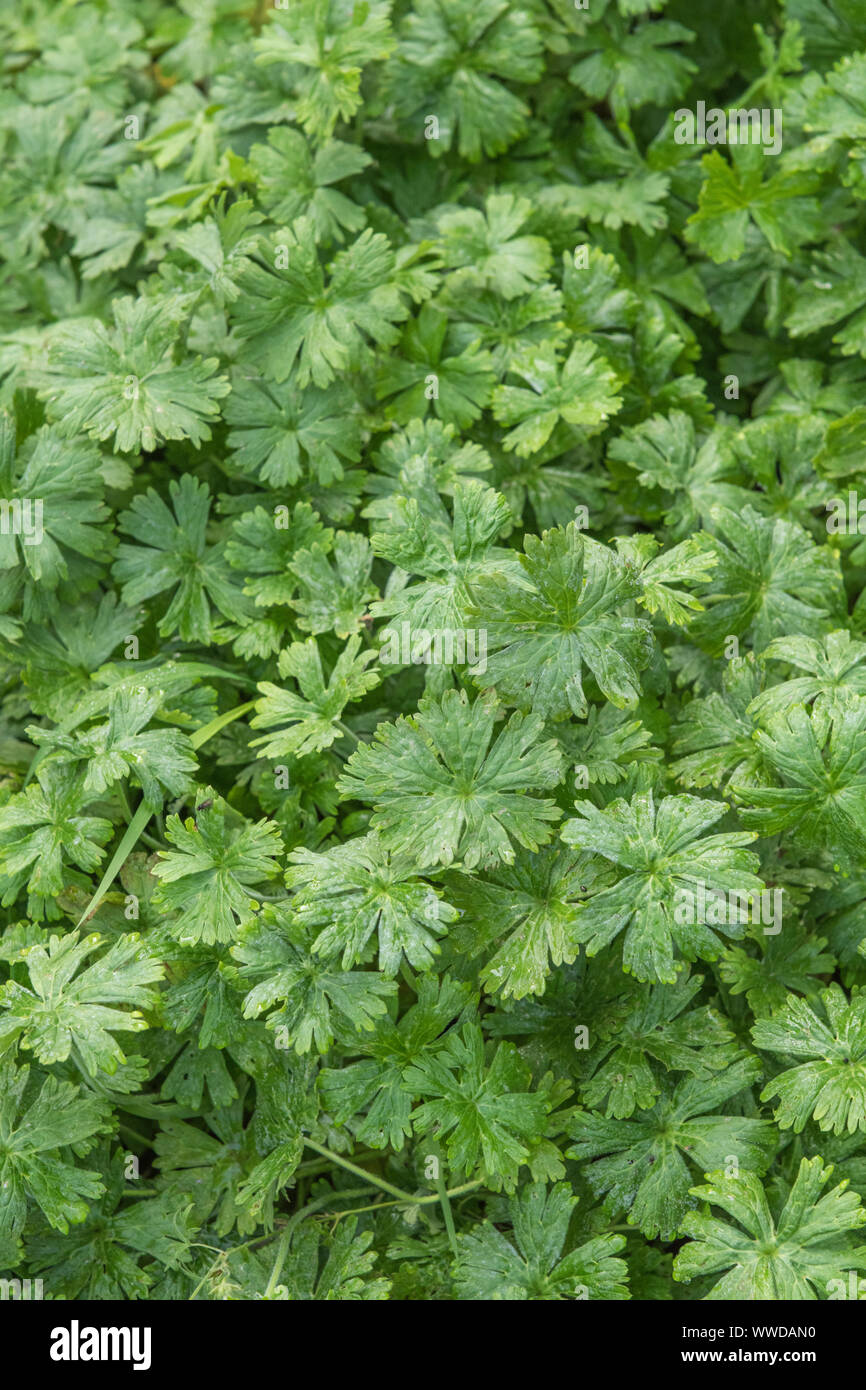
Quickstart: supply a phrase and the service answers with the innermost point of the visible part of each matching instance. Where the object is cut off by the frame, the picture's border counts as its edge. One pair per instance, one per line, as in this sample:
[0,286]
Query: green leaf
[486,1114]
[34,1128]
[124,383]
[562,617]
[664,860]
[734,194]
[357,890]
[532,1267]
[312,718]
[290,314]
[581,392]
[70,1009]
[316,994]
[443,788]
[795,1252]
[642,1165]
[209,879]
[831,1087]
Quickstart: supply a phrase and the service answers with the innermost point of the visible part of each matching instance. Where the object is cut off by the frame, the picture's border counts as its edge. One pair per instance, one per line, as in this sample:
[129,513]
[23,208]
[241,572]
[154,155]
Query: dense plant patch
[433,747]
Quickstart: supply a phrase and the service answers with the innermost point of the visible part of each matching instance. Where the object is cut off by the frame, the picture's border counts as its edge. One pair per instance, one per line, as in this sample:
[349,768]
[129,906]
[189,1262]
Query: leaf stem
[397,1192]
[282,1252]
[143,814]
[359,1172]
[442,1193]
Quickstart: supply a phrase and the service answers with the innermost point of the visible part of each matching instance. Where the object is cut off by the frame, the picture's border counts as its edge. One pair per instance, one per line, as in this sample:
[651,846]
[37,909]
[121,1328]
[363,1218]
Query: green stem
[258,1242]
[359,1172]
[389,1187]
[143,814]
[442,1193]
[282,1252]
[337,1216]
[321,1165]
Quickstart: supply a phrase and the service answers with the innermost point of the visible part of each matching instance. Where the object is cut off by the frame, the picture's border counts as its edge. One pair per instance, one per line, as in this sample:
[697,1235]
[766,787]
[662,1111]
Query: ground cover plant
[433,650]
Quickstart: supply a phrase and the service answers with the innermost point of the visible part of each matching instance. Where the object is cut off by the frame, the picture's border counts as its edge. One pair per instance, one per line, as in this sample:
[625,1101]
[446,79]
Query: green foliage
[432,650]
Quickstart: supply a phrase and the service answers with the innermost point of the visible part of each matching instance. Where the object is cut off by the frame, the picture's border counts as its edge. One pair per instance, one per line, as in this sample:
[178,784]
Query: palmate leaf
[715,734]
[779,454]
[581,392]
[101,1259]
[326,44]
[561,617]
[123,383]
[483,250]
[632,66]
[55,161]
[532,1267]
[817,759]
[664,1027]
[456,62]
[312,719]
[334,588]
[508,329]
[62,656]
[58,486]
[688,563]
[607,745]
[72,1008]
[831,1087]
[791,1251]
[486,1114]
[356,890]
[836,666]
[262,548]
[794,959]
[316,995]
[450,551]
[207,1164]
[835,294]
[522,916]
[694,473]
[173,554]
[371,1094]
[278,430]
[663,857]
[209,878]
[160,760]
[198,38]
[220,247]
[292,315]
[642,1165]
[456,387]
[443,788]
[770,580]
[780,205]
[297,180]
[34,1127]
[448,459]
[42,831]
